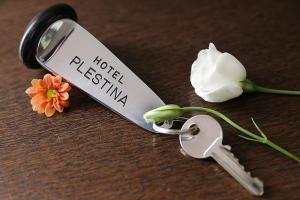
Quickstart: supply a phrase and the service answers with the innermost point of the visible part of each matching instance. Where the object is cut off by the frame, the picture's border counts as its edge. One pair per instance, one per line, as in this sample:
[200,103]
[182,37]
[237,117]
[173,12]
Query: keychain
[55,41]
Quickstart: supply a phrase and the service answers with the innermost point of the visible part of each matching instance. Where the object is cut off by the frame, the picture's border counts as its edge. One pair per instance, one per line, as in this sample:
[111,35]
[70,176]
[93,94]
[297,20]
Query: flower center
[51,93]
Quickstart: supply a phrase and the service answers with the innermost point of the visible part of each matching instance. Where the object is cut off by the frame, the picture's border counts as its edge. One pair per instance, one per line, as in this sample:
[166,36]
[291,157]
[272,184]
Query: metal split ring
[173,127]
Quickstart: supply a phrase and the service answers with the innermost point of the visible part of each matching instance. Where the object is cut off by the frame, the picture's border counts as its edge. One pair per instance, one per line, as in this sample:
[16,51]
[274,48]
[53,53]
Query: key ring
[173,127]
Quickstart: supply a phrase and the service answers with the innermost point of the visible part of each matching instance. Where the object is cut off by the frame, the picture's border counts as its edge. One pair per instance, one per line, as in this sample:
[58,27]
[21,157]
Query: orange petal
[34,107]
[47,80]
[38,99]
[56,81]
[43,85]
[38,84]
[64,103]
[49,110]
[41,108]
[35,83]
[31,91]
[63,96]
[57,106]
[69,88]
[64,87]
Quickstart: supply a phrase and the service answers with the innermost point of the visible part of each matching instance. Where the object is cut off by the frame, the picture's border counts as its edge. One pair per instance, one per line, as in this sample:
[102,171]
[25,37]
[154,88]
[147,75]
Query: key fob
[56,42]
[37,26]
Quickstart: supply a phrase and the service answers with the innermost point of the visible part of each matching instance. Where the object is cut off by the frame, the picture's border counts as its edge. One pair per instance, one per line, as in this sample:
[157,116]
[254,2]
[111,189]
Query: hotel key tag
[56,42]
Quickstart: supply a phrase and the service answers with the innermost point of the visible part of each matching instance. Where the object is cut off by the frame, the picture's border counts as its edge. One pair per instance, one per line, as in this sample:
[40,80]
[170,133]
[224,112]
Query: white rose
[217,76]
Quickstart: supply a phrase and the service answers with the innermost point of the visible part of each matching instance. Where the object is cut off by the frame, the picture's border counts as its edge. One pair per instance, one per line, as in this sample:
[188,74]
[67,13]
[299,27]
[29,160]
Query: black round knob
[37,26]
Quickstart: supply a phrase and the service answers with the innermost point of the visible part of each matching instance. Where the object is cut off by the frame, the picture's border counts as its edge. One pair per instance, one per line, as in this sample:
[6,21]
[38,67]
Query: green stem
[275,91]
[222,116]
[250,134]
[282,150]
[250,86]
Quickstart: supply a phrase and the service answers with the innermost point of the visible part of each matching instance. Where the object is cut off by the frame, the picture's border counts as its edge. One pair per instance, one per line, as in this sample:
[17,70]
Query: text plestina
[101,74]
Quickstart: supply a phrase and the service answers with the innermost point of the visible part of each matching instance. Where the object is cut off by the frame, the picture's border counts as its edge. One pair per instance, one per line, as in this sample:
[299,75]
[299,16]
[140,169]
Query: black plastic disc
[37,26]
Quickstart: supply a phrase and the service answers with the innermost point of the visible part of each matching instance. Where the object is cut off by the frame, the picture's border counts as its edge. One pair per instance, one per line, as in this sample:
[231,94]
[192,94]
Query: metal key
[208,143]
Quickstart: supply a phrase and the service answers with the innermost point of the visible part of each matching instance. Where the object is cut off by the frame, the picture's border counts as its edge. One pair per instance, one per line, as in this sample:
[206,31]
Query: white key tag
[56,42]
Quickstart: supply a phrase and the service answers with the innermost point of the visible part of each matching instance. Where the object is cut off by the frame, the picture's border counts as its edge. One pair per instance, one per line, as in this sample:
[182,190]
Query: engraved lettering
[109,88]
[103,65]
[89,72]
[115,74]
[96,79]
[116,93]
[97,61]
[75,60]
[106,77]
[111,68]
[106,81]
[78,68]
[123,100]
[120,79]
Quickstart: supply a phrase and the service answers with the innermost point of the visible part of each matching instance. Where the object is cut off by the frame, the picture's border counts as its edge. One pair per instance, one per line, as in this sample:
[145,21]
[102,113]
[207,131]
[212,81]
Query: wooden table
[89,152]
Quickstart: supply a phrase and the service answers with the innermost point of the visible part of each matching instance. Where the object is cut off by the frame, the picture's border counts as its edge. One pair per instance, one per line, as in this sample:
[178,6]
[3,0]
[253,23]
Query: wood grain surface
[89,152]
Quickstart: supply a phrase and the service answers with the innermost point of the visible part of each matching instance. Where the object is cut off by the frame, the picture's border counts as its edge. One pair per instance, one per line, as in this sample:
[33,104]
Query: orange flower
[49,95]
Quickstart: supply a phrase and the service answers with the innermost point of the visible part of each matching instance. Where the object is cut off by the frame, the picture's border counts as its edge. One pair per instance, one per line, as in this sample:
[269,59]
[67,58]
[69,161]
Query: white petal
[221,94]
[212,46]
[216,76]
[228,66]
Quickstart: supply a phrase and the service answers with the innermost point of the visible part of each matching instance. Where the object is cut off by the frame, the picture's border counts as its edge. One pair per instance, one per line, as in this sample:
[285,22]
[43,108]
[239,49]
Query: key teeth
[256,179]
[242,166]
[238,162]
[227,147]
[258,182]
